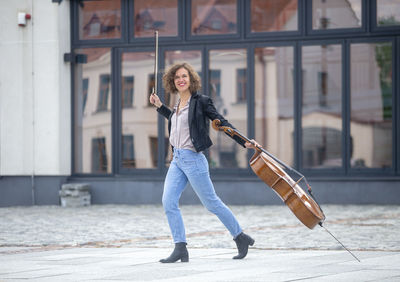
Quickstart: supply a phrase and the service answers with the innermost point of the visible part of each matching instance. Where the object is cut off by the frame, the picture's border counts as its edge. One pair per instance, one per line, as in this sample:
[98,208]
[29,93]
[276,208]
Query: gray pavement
[120,242]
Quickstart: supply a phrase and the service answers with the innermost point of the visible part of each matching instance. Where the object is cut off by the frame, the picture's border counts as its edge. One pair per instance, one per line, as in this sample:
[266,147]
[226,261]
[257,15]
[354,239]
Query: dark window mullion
[116,109]
[346,139]
[396,103]
[250,97]
[298,94]
[160,119]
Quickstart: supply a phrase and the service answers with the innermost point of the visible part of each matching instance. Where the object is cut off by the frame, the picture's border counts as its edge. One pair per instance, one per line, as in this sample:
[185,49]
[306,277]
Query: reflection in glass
[271,15]
[273,102]
[388,12]
[193,57]
[99,19]
[322,106]
[139,121]
[225,66]
[371,105]
[214,17]
[151,15]
[336,14]
[92,112]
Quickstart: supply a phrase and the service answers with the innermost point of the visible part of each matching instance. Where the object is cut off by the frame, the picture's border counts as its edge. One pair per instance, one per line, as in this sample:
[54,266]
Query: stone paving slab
[141,264]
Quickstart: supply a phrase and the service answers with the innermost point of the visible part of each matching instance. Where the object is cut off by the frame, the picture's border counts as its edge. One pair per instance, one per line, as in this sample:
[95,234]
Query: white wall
[35,91]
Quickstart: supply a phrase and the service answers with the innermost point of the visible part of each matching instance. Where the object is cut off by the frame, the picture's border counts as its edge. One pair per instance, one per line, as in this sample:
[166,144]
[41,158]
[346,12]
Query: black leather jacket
[201,108]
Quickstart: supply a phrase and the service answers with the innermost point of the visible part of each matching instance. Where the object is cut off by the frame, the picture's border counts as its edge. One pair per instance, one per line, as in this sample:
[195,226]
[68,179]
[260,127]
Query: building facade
[316,82]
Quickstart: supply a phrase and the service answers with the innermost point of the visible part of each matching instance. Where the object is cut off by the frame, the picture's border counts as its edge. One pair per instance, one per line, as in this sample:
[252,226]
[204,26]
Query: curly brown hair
[169,76]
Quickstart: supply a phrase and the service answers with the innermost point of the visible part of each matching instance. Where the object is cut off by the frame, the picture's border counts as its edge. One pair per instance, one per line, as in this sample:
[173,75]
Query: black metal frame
[369,32]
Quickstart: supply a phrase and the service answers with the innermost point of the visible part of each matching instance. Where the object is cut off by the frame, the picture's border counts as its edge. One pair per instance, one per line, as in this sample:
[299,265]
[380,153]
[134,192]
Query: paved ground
[113,243]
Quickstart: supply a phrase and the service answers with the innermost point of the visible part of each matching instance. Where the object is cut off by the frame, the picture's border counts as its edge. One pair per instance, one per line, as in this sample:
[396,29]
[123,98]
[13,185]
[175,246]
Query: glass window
[336,14]
[226,153]
[194,58]
[274,100]
[388,12]
[271,15]
[214,17]
[92,114]
[151,15]
[140,120]
[99,19]
[371,105]
[322,106]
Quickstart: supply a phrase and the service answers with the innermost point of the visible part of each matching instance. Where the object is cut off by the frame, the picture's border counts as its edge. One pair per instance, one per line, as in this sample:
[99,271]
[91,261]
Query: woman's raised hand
[154,100]
[252,144]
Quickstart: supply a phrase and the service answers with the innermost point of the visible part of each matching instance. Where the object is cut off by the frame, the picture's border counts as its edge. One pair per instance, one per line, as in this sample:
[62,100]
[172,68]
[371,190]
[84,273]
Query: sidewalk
[114,243]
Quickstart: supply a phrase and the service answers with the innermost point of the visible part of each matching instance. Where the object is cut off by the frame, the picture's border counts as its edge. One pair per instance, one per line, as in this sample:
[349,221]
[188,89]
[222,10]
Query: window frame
[274,34]
[117,130]
[374,21]
[218,37]
[75,40]
[250,108]
[321,171]
[296,93]
[395,166]
[131,37]
[336,31]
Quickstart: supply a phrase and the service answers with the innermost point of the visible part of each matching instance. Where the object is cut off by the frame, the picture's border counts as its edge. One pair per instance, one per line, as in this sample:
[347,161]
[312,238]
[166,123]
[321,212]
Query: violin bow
[216,124]
[155,62]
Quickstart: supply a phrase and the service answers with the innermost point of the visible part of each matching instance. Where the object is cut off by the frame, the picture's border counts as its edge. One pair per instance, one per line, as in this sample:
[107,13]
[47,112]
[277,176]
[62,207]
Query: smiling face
[182,80]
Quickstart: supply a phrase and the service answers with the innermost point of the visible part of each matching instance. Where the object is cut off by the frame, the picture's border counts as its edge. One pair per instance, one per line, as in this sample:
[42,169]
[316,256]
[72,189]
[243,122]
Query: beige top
[180,134]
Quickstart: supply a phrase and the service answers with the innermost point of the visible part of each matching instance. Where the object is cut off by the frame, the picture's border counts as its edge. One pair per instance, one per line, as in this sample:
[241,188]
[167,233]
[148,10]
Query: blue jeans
[193,167]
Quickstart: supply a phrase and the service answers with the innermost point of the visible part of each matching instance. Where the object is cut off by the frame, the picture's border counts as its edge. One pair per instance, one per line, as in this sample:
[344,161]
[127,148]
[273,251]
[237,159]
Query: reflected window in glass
[99,155]
[214,17]
[336,14]
[388,12]
[274,101]
[226,153]
[127,91]
[128,152]
[271,15]
[151,15]
[104,89]
[99,19]
[371,105]
[92,115]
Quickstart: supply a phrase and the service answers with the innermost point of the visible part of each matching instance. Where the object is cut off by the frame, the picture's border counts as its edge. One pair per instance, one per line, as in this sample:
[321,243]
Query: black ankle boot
[180,253]
[243,241]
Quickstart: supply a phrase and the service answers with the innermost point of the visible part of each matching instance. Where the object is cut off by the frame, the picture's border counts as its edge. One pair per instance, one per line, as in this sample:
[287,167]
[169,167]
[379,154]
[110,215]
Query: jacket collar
[192,105]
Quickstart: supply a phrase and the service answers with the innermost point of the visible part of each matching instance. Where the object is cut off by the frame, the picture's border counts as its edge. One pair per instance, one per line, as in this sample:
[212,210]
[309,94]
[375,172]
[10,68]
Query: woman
[188,127]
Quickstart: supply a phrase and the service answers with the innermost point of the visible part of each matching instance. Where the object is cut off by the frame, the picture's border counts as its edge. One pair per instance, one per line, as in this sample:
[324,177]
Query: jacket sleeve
[212,114]
[165,111]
